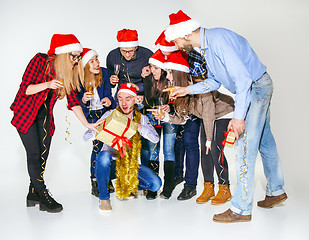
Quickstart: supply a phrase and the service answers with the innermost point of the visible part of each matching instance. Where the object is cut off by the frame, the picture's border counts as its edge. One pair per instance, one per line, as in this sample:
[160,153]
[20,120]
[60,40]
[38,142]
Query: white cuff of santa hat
[157,59]
[177,61]
[87,55]
[180,26]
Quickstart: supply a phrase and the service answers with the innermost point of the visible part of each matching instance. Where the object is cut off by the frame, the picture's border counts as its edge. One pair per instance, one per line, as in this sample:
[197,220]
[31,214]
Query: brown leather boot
[222,196]
[229,217]
[271,201]
[208,193]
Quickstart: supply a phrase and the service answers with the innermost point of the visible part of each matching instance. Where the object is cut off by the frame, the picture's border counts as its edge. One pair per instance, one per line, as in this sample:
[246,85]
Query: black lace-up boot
[47,203]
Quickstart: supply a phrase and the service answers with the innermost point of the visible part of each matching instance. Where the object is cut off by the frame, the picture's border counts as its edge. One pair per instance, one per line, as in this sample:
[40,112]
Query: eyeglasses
[127,51]
[75,57]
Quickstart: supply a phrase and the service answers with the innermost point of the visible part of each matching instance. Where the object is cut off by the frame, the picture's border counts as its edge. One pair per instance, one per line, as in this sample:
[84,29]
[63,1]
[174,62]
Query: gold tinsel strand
[127,167]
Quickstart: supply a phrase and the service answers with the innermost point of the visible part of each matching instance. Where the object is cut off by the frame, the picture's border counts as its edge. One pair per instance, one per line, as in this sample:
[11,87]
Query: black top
[130,71]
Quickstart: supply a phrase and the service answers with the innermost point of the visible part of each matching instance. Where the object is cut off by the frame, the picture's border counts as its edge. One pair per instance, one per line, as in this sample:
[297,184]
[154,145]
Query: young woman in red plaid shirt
[47,78]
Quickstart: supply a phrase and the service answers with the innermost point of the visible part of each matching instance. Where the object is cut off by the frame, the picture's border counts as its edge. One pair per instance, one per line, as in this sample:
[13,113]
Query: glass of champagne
[171,87]
[60,78]
[89,87]
[160,111]
[116,69]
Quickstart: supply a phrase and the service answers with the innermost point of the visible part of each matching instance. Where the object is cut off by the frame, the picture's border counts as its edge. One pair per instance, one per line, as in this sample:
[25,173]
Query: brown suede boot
[222,196]
[271,201]
[230,217]
[208,193]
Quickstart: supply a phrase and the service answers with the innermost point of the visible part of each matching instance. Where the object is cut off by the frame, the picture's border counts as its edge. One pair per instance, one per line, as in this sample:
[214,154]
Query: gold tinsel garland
[127,167]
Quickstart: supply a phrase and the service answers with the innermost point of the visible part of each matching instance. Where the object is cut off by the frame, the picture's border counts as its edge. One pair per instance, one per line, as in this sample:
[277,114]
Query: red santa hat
[64,43]
[127,38]
[177,61]
[180,26]
[127,88]
[164,45]
[87,55]
[157,59]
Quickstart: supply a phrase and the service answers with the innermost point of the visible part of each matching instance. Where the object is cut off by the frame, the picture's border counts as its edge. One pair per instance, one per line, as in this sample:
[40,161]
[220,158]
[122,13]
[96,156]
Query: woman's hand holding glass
[87,97]
[54,84]
[159,113]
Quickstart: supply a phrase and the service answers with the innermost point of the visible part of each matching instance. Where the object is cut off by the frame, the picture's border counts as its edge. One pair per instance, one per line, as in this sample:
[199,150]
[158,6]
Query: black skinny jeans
[37,153]
[215,157]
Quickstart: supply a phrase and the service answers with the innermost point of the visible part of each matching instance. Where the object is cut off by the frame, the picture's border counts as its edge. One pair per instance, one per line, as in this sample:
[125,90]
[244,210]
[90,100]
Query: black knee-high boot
[154,166]
[169,179]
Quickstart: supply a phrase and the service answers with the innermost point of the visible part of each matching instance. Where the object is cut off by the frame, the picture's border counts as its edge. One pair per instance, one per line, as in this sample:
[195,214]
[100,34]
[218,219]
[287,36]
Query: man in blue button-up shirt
[230,61]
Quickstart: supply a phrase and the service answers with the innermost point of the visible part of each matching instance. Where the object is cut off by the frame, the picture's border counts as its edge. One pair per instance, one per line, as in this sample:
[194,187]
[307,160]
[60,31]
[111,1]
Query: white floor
[140,218]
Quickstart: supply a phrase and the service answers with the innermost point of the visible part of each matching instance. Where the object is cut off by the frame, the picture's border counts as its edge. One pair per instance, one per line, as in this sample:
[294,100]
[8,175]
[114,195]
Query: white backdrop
[276,29]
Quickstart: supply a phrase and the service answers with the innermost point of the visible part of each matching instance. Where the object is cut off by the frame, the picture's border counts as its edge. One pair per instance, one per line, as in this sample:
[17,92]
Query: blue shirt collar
[204,44]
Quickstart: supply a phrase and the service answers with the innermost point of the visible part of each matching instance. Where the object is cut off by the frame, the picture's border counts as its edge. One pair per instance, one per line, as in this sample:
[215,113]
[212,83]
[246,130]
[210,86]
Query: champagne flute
[160,110]
[90,87]
[60,78]
[116,69]
[171,87]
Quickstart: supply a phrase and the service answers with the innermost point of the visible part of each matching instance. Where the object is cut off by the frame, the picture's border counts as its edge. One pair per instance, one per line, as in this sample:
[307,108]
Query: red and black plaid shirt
[25,107]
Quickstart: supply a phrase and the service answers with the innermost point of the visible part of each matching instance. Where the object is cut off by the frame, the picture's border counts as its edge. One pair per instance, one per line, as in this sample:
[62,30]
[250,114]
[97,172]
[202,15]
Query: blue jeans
[191,145]
[105,170]
[257,137]
[169,136]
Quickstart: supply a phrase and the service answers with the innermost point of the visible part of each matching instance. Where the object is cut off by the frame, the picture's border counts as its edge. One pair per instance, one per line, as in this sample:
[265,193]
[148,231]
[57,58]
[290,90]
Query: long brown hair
[71,76]
[88,76]
[181,103]
[158,85]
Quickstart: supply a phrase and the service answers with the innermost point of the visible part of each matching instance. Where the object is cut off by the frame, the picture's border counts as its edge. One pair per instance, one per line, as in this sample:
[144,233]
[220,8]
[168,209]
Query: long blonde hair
[72,77]
[88,76]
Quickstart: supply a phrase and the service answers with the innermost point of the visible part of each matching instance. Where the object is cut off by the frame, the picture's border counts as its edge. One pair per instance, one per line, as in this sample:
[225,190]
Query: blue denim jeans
[257,137]
[105,170]
[169,136]
[191,145]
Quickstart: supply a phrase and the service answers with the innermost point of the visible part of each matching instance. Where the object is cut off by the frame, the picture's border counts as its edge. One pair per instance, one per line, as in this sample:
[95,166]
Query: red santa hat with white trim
[127,38]
[64,43]
[87,55]
[157,59]
[180,26]
[127,88]
[164,45]
[177,61]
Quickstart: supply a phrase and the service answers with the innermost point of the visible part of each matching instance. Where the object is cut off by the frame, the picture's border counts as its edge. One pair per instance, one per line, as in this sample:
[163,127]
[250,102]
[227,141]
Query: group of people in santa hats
[171,93]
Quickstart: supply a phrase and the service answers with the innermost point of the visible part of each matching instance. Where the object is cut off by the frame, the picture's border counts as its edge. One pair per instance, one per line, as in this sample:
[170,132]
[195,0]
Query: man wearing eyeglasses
[130,58]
